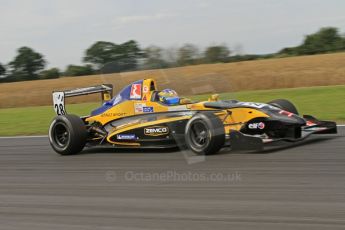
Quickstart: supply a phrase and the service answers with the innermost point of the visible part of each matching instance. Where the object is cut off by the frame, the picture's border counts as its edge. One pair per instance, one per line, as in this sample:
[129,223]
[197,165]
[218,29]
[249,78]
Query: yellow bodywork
[233,119]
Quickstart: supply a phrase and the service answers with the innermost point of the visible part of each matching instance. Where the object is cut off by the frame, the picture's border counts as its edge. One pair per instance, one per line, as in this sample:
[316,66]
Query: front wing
[240,141]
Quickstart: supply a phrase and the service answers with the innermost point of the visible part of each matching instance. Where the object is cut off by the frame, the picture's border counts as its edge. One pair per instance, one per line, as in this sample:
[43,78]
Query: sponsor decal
[156,131]
[148,109]
[113,114]
[135,91]
[126,137]
[139,107]
[309,123]
[253,104]
[145,89]
[177,108]
[81,90]
[283,112]
[259,125]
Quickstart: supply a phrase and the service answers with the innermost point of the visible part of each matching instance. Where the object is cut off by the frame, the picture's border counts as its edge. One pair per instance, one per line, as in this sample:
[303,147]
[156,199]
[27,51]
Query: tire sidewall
[215,133]
[52,137]
[190,143]
[76,138]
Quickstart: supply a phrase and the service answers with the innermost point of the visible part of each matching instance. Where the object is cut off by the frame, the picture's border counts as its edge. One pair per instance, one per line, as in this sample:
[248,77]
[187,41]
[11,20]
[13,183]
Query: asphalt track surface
[294,187]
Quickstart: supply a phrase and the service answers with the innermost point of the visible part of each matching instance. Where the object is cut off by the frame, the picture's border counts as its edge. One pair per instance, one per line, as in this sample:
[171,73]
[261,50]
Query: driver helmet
[169,97]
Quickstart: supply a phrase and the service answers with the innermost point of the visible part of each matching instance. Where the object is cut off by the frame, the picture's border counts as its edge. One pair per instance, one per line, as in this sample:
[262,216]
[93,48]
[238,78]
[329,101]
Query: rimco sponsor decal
[156,131]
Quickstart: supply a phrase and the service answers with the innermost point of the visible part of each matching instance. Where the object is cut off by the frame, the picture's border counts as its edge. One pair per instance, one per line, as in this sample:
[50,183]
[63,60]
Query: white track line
[22,137]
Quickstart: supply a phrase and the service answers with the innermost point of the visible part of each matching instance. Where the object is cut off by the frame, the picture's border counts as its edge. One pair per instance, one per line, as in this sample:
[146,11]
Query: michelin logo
[126,137]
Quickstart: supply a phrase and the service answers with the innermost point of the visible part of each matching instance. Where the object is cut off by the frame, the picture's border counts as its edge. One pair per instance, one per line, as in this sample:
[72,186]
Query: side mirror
[214,97]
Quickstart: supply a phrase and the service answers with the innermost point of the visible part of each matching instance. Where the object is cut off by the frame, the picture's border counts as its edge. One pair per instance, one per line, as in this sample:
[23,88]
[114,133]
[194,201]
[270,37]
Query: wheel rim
[61,135]
[199,134]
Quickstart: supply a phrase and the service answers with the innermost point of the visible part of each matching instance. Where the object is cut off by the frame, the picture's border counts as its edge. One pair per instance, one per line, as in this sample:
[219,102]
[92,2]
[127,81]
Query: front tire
[67,134]
[205,134]
[284,105]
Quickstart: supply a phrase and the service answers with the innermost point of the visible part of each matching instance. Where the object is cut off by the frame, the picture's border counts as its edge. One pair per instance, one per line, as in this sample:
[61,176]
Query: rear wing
[106,91]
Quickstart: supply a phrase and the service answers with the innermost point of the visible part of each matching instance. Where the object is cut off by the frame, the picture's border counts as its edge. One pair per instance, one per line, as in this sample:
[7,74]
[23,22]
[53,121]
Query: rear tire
[205,134]
[284,105]
[67,134]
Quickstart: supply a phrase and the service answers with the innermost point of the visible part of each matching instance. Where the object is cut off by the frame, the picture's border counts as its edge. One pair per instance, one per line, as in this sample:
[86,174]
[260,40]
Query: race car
[141,116]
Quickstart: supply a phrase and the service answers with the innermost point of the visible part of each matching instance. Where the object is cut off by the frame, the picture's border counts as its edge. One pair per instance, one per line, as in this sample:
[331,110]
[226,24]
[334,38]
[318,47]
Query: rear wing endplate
[106,91]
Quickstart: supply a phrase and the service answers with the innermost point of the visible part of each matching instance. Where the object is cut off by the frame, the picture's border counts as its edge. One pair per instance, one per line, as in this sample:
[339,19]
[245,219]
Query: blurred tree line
[108,57]
[326,40]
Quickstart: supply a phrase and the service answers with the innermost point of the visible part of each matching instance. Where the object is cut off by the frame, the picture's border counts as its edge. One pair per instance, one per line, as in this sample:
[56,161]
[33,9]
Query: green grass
[323,102]
[326,102]
[34,120]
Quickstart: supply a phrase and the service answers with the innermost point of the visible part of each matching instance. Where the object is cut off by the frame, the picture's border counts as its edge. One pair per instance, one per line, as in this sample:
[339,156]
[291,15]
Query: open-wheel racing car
[140,116]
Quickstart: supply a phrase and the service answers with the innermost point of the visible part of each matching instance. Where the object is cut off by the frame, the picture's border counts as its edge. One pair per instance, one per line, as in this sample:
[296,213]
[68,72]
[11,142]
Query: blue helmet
[169,97]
